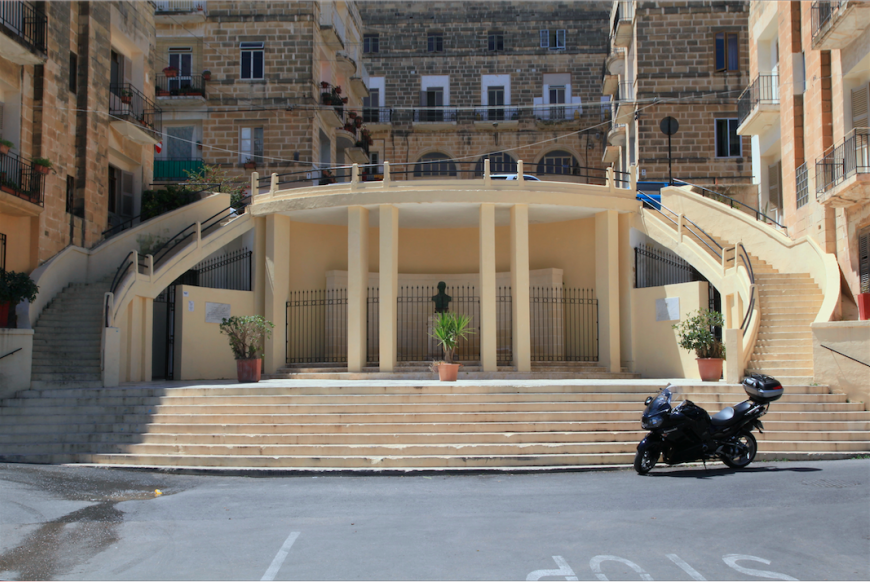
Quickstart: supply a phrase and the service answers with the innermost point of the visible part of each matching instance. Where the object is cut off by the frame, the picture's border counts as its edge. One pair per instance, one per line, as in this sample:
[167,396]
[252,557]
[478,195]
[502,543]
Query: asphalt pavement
[783,521]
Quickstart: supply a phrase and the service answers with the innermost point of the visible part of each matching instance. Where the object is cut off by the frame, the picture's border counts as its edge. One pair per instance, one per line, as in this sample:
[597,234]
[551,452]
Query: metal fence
[654,268]
[504,323]
[179,86]
[2,252]
[564,324]
[229,271]
[822,13]
[316,327]
[847,159]
[26,22]
[17,177]
[130,104]
[415,315]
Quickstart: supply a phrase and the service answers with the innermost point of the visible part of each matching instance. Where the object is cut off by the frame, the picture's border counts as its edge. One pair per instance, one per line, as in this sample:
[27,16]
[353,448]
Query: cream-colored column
[276,287]
[607,288]
[520,287]
[357,285]
[389,286]
[488,323]
[626,283]
[733,355]
[259,265]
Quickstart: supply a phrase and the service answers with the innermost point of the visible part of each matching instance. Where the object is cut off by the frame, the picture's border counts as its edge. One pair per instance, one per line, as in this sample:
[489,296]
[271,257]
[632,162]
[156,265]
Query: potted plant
[170,71]
[14,288]
[344,100]
[206,75]
[324,85]
[248,334]
[337,90]
[351,114]
[41,165]
[161,92]
[5,146]
[696,335]
[250,164]
[326,98]
[199,145]
[126,96]
[8,186]
[358,121]
[326,178]
[448,329]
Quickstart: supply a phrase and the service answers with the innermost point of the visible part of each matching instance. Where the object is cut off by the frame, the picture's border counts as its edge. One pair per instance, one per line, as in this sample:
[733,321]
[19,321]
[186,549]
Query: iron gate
[564,324]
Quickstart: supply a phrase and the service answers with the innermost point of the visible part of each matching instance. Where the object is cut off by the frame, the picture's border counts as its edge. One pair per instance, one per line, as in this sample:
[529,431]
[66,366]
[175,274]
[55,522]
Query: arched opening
[557,162]
[435,165]
[499,163]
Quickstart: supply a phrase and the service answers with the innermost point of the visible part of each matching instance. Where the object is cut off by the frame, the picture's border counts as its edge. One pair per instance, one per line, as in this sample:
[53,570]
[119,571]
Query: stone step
[775,372]
[428,375]
[769,334]
[53,384]
[779,363]
[71,367]
[762,355]
[788,314]
[789,276]
[65,377]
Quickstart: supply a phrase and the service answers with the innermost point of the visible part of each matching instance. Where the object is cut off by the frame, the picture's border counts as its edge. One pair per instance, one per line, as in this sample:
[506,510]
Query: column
[488,317]
[626,283]
[607,288]
[520,287]
[276,287]
[259,263]
[357,285]
[388,286]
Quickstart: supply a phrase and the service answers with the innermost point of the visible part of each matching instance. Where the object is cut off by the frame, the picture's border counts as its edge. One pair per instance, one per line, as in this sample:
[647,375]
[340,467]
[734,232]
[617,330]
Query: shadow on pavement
[701,473]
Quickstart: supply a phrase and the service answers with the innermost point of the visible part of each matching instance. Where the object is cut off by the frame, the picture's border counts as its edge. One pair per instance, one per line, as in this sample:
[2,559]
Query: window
[495,100]
[436,42]
[432,100]
[250,144]
[73,71]
[727,51]
[434,165]
[496,41]
[70,193]
[727,140]
[371,106]
[557,97]
[500,163]
[557,162]
[181,59]
[252,60]
[553,39]
[371,43]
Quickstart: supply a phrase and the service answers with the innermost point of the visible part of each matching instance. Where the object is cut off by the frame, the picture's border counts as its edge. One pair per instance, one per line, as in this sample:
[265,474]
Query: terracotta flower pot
[170,73]
[4,313]
[448,372]
[710,368]
[248,370]
[864,306]
[126,99]
[4,149]
[41,169]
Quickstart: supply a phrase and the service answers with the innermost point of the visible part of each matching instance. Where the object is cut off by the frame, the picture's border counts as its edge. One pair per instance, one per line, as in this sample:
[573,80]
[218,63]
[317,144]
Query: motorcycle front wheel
[645,460]
[745,453]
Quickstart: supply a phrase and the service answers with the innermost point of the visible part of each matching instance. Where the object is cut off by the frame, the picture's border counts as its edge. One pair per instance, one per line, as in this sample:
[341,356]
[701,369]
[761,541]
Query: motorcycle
[687,433]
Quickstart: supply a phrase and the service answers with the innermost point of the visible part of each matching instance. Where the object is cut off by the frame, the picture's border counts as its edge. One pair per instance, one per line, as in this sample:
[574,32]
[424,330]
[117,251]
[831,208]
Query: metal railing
[564,324]
[26,23]
[654,268]
[179,86]
[17,177]
[496,113]
[377,115]
[823,13]
[802,185]
[128,103]
[434,115]
[733,203]
[844,161]
[764,89]
[229,271]
[175,170]
[178,6]
[316,327]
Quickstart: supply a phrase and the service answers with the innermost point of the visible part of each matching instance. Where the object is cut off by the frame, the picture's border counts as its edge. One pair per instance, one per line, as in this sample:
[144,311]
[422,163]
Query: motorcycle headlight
[654,421]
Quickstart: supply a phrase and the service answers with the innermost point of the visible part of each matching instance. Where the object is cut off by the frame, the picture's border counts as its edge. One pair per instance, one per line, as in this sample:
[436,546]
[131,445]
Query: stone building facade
[806,114]
[59,103]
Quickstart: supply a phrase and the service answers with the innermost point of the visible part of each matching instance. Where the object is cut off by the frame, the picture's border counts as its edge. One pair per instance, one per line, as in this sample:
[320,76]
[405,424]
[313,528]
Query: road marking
[685,567]
[279,557]
[564,570]
[595,564]
[732,559]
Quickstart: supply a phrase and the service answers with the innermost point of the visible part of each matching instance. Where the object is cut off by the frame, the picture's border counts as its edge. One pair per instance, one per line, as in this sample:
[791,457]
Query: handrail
[656,203]
[10,353]
[733,201]
[842,354]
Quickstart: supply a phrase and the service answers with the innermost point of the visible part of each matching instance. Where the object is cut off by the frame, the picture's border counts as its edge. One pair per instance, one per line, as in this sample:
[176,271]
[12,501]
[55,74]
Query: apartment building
[73,84]
[454,83]
[262,86]
[806,113]
[689,61]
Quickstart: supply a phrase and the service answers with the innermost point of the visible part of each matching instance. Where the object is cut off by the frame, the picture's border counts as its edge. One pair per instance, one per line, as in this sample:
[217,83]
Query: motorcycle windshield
[661,403]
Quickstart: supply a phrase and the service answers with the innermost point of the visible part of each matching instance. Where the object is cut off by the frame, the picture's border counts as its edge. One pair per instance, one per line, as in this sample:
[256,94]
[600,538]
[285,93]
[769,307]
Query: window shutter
[860,102]
[258,144]
[126,194]
[774,180]
[423,98]
[128,70]
[864,261]
[560,39]
[545,39]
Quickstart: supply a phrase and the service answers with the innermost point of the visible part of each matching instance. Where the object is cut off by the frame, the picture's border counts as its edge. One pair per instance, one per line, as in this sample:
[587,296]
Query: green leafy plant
[148,243]
[157,202]
[248,334]
[219,177]
[448,329]
[696,334]
[44,162]
[16,287]
[6,142]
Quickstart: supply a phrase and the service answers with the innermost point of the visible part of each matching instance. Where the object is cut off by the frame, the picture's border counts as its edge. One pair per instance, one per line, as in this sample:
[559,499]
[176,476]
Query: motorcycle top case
[762,389]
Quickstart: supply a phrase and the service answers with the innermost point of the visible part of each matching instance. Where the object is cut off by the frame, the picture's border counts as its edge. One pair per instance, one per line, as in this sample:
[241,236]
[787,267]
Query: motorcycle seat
[730,415]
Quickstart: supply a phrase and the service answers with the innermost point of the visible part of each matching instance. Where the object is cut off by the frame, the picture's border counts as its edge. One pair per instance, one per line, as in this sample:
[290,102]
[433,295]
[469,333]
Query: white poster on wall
[216,312]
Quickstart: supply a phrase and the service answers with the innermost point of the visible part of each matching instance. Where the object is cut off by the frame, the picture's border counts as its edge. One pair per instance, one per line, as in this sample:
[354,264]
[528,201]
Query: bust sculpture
[442,300]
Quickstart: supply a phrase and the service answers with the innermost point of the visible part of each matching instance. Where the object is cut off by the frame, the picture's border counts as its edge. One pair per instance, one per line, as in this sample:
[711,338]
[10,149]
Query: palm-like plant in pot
[14,288]
[696,335]
[248,334]
[448,329]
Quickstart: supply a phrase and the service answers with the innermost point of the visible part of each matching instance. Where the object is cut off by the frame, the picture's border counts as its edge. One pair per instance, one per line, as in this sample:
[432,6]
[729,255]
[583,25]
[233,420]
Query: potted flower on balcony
[9,186]
[337,89]
[358,122]
[248,334]
[250,164]
[42,165]
[126,96]
[696,334]
[447,329]
[170,71]
[5,146]
[161,92]
[324,85]
[14,288]
[206,75]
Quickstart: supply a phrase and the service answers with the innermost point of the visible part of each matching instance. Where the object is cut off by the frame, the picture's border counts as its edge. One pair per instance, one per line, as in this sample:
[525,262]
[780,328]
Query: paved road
[798,520]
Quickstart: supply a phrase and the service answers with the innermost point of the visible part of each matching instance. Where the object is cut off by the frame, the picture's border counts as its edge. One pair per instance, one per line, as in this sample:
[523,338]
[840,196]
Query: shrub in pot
[448,329]
[14,288]
[5,146]
[247,335]
[696,335]
[42,165]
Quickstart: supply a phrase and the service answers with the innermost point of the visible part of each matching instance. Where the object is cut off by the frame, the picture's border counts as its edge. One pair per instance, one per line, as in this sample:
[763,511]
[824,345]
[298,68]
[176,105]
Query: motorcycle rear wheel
[645,460]
[742,460]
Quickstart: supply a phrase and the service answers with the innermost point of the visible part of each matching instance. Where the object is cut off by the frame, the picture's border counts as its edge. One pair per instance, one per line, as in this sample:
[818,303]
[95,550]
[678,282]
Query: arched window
[558,162]
[434,165]
[500,163]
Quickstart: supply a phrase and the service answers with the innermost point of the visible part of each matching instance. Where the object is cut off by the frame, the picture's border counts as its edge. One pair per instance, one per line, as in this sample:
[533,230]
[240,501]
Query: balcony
[332,28]
[758,106]
[435,117]
[170,89]
[133,115]
[24,28]
[843,173]
[332,110]
[625,103]
[561,112]
[622,23]
[495,114]
[616,138]
[175,169]
[20,183]
[377,115]
[359,82]
[835,25]
[179,11]
[613,67]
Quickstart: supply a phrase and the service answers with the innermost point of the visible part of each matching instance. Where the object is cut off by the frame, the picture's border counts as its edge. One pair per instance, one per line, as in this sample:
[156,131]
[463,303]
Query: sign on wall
[216,312]
[668,309]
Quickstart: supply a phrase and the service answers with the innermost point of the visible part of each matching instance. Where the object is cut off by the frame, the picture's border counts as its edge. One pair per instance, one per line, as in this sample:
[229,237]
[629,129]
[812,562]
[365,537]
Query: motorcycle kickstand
[705,465]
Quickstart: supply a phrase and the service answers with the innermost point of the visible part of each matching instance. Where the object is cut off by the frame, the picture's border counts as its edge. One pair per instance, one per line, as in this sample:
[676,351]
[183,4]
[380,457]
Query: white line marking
[731,560]
[595,564]
[685,567]
[564,570]
[279,557]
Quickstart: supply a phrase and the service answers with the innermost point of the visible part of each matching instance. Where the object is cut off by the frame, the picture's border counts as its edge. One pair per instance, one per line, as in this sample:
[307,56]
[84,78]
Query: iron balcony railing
[802,185]
[434,114]
[377,115]
[823,13]
[569,112]
[179,86]
[496,113]
[175,169]
[17,177]
[764,89]
[128,103]
[178,6]
[25,23]
[844,161]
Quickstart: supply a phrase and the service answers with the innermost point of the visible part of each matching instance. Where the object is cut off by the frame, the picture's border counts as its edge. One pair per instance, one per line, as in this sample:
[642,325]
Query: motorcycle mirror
[648,400]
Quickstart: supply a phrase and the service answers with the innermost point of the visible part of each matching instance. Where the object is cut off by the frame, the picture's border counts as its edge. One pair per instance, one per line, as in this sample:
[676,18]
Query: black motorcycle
[687,433]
